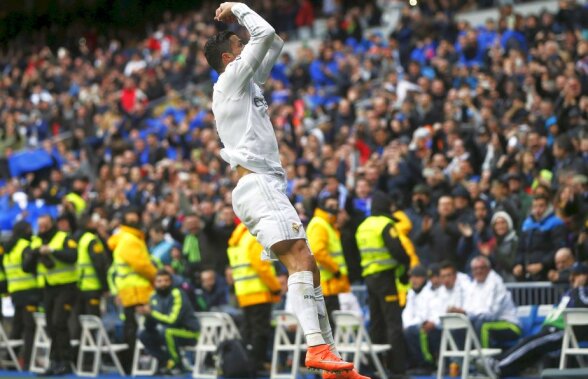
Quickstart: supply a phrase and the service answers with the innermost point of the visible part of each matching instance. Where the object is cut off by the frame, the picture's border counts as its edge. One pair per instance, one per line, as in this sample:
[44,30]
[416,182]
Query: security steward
[23,289]
[325,243]
[52,254]
[170,323]
[75,197]
[133,275]
[93,264]
[382,254]
[256,288]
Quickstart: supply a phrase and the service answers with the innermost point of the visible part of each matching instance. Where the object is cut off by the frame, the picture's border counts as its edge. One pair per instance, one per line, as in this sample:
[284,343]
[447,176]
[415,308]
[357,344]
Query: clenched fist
[224,13]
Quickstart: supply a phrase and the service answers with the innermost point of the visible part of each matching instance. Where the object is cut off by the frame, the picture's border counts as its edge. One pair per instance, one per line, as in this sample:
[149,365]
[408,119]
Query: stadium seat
[215,327]
[351,337]
[449,348]
[287,341]
[570,346]
[143,364]
[95,341]
[9,345]
[41,345]
[525,314]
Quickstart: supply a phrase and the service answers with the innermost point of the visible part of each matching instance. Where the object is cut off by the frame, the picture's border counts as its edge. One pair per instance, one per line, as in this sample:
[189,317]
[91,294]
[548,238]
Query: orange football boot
[321,357]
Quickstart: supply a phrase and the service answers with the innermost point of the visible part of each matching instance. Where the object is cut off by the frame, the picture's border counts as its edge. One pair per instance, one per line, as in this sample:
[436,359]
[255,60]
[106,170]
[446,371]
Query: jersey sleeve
[238,73]
[265,68]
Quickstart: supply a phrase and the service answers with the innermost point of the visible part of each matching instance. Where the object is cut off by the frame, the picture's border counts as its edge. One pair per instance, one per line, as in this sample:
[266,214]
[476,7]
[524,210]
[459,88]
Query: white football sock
[323,317]
[301,290]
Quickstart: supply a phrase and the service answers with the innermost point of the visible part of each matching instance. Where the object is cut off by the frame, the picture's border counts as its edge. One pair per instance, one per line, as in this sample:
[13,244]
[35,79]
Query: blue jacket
[539,241]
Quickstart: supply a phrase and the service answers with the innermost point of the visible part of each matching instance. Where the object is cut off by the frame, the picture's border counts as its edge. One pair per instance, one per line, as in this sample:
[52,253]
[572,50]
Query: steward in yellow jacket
[325,244]
[256,287]
[23,288]
[52,256]
[382,255]
[132,272]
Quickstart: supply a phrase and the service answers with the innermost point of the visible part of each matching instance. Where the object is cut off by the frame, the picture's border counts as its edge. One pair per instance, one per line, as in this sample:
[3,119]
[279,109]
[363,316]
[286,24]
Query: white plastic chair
[142,359]
[95,341]
[9,345]
[524,311]
[351,337]
[41,345]
[215,327]
[230,331]
[570,346]
[449,349]
[285,343]
[544,309]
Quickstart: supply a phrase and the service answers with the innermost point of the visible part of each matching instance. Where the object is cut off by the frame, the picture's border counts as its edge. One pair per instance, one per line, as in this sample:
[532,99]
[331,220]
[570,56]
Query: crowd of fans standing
[477,132]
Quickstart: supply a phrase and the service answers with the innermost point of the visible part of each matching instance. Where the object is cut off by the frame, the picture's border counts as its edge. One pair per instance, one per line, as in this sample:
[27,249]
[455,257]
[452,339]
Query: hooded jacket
[129,245]
[539,241]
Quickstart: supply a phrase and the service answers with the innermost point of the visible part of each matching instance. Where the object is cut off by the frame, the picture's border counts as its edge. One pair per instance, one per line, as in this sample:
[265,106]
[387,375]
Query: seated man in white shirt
[422,304]
[455,286]
[489,305]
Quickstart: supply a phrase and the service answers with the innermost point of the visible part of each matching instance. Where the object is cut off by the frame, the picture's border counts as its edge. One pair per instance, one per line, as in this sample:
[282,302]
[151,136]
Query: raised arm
[268,62]
[243,68]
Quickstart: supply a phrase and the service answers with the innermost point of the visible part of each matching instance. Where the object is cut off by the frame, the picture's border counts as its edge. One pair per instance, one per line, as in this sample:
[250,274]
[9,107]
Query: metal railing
[527,293]
[536,293]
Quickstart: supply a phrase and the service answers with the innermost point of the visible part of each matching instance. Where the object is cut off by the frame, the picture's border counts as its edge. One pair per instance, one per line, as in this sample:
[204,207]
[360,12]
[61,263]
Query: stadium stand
[478,132]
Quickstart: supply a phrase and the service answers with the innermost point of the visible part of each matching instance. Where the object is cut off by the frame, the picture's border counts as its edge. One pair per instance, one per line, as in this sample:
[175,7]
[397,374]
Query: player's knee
[295,255]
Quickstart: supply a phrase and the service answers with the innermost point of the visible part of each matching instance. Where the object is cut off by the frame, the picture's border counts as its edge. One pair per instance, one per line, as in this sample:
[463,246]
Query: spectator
[189,237]
[564,260]
[549,339]
[518,196]
[502,202]
[218,227]
[213,290]
[416,320]
[489,306]
[160,246]
[505,249]
[419,209]
[477,238]
[442,235]
[543,233]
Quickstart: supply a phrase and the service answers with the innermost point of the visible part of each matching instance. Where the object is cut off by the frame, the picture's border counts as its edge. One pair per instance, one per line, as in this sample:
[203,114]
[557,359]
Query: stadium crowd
[476,134]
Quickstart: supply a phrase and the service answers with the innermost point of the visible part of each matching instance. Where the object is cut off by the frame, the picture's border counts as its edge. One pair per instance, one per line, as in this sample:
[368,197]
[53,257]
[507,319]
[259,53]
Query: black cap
[419,271]
[580,269]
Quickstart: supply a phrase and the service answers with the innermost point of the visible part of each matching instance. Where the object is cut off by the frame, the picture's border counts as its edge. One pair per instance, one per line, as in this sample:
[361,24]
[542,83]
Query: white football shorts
[260,201]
